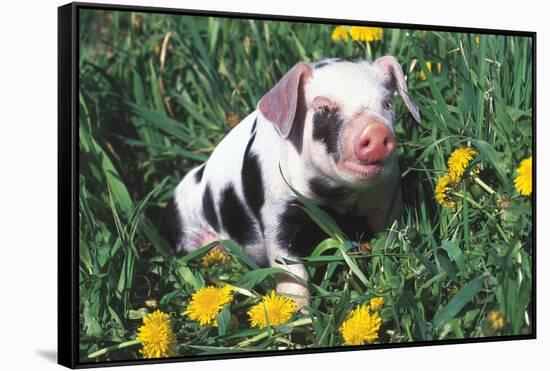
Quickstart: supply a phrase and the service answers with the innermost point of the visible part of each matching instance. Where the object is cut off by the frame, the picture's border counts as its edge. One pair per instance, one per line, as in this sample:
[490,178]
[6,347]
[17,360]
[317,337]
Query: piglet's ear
[393,78]
[285,103]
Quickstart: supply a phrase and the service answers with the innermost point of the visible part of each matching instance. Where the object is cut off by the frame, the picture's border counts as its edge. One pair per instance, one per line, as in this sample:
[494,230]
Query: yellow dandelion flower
[214,257]
[207,302]
[496,319]
[429,67]
[477,39]
[524,180]
[376,303]
[156,336]
[340,33]
[361,326]
[459,161]
[368,34]
[442,190]
[278,308]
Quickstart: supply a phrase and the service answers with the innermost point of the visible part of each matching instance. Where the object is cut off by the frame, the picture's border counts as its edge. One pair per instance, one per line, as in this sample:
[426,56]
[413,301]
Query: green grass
[157,92]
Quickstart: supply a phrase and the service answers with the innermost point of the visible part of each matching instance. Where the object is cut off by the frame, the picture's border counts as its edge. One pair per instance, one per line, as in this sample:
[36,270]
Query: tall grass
[157,92]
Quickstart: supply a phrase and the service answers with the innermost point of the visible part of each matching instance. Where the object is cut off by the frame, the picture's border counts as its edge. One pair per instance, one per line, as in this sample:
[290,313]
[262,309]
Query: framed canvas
[236,185]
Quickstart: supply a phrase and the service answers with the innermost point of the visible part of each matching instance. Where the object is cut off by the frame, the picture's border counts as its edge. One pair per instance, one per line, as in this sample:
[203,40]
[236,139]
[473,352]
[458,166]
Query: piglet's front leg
[290,284]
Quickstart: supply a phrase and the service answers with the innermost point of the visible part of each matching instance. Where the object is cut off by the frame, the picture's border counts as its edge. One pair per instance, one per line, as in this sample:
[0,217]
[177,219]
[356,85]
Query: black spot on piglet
[172,224]
[251,177]
[327,126]
[198,174]
[235,219]
[208,209]
[327,190]
[298,234]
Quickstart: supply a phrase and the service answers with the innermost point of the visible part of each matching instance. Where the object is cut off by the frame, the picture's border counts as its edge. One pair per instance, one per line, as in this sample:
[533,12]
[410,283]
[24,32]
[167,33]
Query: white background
[28,183]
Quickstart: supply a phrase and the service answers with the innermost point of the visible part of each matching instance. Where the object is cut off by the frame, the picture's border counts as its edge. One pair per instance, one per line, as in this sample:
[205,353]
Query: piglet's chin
[363,171]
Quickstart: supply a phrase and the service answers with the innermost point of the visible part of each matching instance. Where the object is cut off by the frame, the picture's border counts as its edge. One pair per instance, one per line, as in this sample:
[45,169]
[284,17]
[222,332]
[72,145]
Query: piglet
[328,127]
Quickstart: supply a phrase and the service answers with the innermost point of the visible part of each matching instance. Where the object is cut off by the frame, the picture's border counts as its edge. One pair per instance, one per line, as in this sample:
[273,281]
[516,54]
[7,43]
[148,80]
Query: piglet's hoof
[297,292]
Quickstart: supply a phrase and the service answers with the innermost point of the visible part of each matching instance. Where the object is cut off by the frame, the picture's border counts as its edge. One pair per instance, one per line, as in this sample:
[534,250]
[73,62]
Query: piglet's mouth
[366,170]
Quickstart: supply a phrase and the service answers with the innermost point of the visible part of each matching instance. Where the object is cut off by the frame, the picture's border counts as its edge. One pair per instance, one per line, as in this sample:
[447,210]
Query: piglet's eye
[387,103]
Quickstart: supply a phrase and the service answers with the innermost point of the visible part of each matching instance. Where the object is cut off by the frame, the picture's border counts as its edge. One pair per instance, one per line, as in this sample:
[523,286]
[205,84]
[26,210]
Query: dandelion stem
[356,285]
[114,347]
[469,199]
[499,228]
[262,335]
[484,185]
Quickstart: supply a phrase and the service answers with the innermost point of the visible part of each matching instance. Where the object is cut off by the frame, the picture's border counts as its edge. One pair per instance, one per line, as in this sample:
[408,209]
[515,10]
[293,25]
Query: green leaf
[326,245]
[238,252]
[426,262]
[408,301]
[355,268]
[85,256]
[455,253]
[252,278]
[224,320]
[489,153]
[185,272]
[446,264]
[137,314]
[137,213]
[458,302]
[198,253]
[318,215]
[112,177]
[164,123]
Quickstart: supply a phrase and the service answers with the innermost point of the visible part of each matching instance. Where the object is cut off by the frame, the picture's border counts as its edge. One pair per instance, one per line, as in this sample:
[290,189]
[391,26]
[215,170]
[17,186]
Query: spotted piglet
[328,127]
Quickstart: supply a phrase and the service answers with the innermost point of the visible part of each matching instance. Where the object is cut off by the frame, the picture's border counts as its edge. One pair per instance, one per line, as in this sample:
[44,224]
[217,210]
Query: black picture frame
[68,160]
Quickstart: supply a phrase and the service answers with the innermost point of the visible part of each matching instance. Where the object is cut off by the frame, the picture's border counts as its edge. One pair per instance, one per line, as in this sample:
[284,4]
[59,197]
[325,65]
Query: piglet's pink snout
[375,144]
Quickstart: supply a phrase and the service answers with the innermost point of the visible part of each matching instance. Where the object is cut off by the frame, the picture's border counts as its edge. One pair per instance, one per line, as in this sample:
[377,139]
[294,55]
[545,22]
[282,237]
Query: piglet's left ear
[285,103]
[392,73]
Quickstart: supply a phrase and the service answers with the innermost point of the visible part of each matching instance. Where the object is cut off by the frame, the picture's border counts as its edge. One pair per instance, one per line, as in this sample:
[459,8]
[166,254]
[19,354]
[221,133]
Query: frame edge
[68,315]
[66,252]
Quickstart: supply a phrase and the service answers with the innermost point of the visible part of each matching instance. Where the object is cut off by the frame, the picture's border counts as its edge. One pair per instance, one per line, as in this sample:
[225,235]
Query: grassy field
[157,92]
